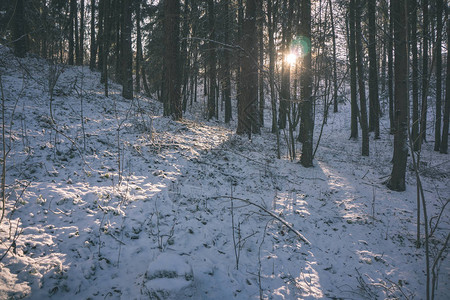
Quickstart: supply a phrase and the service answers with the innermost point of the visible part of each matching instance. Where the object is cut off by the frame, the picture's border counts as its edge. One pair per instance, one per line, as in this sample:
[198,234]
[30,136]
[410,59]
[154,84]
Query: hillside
[107,199]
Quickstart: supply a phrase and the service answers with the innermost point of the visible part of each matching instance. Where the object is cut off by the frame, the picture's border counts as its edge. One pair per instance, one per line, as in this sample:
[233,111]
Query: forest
[224,149]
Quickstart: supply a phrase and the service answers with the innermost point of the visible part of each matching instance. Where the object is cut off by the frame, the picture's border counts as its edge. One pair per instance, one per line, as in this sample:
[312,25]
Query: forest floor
[109,200]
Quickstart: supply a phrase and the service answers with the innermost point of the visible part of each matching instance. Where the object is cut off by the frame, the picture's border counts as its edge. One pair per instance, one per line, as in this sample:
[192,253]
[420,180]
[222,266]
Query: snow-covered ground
[113,201]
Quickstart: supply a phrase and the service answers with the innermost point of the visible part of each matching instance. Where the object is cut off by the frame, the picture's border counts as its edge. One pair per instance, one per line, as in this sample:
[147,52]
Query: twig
[272,215]
[3,180]
[13,244]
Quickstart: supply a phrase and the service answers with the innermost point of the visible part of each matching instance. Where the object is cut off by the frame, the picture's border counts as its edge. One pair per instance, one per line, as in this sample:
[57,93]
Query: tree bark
[72,16]
[415,75]
[444,141]
[391,70]
[81,40]
[333,36]
[438,55]
[397,180]
[227,66]
[271,28]
[261,62]
[374,104]
[423,114]
[172,70]
[352,58]
[93,42]
[362,86]
[211,62]
[248,117]
[127,56]
[306,158]
[100,37]
[20,38]
[106,43]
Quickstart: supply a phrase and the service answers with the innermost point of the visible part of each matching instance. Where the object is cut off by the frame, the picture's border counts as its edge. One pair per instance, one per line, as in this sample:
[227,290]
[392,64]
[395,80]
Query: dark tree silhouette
[397,180]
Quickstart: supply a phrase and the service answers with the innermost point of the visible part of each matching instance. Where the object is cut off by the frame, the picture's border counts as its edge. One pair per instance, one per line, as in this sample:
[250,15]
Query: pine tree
[127,60]
[20,38]
[397,180]
[306,87]
[172,70]
[353,77]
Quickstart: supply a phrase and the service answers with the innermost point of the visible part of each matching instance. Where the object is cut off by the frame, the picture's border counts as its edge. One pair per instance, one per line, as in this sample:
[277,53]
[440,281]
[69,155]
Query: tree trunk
[185,59]
[423,115]
[72,16]
[119,32]
[362,86]
[415,75]
[20,38]
[374,104]
[81,40]
[248,117]
[138,47]
[77,36]
[227,66]
[211,61]
[285,66]
[335,82]
[241,127]
[93,43]
[306,87]
[391,70]
[172,70]
[261,61]
[444,141]
[397,180]
[270,27]
[100,37]
[438,55]
[352,58]
[127,56]
[105,41]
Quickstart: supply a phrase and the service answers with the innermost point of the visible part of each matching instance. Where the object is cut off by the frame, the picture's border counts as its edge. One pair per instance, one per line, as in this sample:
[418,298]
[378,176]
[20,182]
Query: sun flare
[291,59]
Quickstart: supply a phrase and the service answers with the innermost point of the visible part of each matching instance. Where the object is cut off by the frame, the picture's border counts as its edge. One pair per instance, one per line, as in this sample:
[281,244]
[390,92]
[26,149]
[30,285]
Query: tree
[261,62]
[72,17]
[423,115]
[247,112]
[106,5]
[374,104]
[361,84]
[20,38]
[211,61]
[415,75]
[80,55]
[352,59]
[391,70]
[444,141]
[172,70]
[227,65]
[335,83]
[93,42]
[306,87]
[271,24]
[285,96]
[138,46]
[396,181]
[438,55]
[127,57]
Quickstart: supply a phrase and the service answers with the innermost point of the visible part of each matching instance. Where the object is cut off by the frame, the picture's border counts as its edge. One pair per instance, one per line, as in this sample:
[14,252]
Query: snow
[140,207]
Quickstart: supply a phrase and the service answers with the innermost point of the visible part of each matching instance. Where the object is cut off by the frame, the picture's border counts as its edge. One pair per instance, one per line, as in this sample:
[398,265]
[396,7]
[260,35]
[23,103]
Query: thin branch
[284,222]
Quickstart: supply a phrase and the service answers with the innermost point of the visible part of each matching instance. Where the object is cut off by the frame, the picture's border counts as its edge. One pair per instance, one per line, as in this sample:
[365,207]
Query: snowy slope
[113,201]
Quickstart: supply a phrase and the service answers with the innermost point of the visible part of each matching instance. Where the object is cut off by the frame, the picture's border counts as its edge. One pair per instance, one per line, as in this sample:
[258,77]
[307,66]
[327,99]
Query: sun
[291,58]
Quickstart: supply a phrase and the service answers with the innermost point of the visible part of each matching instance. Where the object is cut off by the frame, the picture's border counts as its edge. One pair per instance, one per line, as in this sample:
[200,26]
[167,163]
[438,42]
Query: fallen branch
[284,222]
